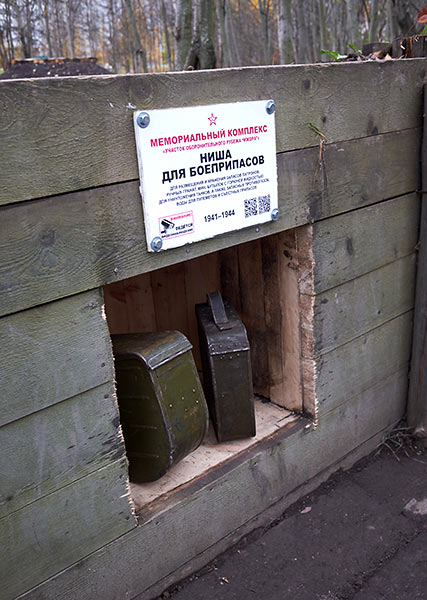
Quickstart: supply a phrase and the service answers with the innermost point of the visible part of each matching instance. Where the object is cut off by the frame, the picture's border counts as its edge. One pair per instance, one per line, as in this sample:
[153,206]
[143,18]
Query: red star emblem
[212,119]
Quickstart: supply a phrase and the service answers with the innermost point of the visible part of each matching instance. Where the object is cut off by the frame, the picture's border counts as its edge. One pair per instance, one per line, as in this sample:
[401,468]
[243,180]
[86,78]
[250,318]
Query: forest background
[159,35]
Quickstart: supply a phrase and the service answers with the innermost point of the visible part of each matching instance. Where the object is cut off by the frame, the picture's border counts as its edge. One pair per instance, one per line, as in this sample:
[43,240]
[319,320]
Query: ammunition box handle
[218,311]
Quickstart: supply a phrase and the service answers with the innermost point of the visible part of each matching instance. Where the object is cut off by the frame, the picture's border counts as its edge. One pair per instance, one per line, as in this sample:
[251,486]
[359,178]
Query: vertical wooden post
[417,401]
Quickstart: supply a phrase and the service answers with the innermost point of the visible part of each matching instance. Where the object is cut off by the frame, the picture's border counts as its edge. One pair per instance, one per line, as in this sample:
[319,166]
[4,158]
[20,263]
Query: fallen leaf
[422,15]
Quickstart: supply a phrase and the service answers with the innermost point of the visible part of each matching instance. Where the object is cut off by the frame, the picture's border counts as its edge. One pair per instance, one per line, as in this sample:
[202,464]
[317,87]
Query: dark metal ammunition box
[227,374]
[162,406]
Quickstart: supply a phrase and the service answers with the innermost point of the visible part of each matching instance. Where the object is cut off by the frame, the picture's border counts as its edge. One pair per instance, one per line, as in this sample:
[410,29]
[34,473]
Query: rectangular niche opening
[269,283]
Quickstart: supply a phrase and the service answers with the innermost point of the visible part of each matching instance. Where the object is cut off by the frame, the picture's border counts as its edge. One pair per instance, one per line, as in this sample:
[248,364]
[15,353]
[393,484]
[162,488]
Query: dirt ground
[51,68]
[360,536]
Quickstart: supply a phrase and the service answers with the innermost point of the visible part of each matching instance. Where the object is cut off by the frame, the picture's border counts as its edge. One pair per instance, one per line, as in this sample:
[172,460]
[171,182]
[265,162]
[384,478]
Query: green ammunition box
[227,374]
[163,410]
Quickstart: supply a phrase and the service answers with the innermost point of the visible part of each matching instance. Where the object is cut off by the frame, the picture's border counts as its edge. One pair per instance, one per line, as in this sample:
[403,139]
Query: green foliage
[335,55]
[314,128]
[353,47]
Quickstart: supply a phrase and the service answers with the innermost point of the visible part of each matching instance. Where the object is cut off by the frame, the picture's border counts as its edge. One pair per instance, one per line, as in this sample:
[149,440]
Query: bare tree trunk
[284,31]
[167,40]
[139,51]
[313,33]
[112,33]
[59,49]
[7,37]
[264,11]
[70,32]
[235,56]
[72,11]
[21,30]
[390,29]
[354,36]
[222,9]
[373,25]
[91,28]
[183,32]
[202,50]
[302,34]
[45,9]
[322,27]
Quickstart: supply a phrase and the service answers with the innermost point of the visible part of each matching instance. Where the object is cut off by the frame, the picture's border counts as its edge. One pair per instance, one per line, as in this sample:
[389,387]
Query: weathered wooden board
[167,285]
[53,248]
[353,308]
[54,447]
[282,319]
[51,534]
[274,301]
[417,401]
[255,481]
[115,307]
[69,134]
[349,245]
[362,363]
[53,352]
[350,175]
[139,303]
[252,295]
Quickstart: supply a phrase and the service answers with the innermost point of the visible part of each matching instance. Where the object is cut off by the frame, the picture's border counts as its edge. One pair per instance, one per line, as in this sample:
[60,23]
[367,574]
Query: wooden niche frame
[269,282]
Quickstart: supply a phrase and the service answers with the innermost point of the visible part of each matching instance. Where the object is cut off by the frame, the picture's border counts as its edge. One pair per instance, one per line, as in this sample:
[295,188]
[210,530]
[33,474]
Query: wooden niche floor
[269,418]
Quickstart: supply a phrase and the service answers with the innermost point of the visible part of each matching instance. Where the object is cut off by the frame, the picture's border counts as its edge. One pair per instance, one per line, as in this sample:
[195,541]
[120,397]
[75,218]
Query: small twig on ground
[400,437]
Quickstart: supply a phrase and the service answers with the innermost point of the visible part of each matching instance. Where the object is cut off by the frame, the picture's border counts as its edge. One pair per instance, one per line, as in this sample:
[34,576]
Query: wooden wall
[71,222]
[259,278]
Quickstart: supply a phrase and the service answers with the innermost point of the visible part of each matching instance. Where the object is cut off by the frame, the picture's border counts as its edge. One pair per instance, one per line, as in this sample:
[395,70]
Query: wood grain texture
[291,313]
[202,276]
[248,487]
[55,532]
[53,352]
[52,448]
[140,303]
[69,134]
[252,294]
[363,363]
[350,175]
[353,308]
[274,298]
[115,307]
[282,343]
[350,245]
[417,401]
[230,276]
[54,248]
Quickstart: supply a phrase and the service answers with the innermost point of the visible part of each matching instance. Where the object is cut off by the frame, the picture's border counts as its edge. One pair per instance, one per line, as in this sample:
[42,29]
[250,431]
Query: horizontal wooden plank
[68,134]
[350,245]
[53,248]
[54,447]
[362,363]
[248,487]
[350,175]
[353,308]
[53,352]
[51,534]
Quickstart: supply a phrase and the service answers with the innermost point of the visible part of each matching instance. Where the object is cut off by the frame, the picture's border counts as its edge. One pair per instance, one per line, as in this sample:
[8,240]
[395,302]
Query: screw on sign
[143,120]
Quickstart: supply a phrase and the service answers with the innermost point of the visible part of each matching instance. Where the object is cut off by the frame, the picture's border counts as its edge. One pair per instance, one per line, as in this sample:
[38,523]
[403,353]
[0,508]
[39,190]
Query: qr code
[263,204]
[250,207]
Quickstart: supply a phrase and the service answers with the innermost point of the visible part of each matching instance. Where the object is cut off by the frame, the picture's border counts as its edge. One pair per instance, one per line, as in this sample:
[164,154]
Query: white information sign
[206,170]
